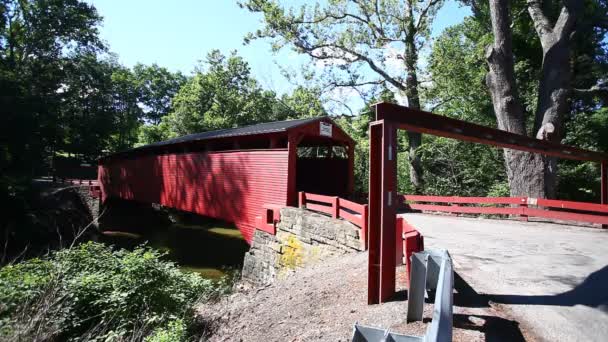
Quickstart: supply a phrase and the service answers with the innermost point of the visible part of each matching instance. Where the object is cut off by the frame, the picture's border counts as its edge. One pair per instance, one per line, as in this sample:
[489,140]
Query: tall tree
[221,94]
[35,38]
[362,43]
[555,23]
[158,86]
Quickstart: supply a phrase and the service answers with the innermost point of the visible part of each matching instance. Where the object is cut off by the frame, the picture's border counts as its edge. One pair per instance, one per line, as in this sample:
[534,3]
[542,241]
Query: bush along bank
[94,292]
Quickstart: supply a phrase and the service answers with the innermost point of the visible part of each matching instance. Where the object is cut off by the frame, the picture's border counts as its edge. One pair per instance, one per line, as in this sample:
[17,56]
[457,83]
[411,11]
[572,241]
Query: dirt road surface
[551,278]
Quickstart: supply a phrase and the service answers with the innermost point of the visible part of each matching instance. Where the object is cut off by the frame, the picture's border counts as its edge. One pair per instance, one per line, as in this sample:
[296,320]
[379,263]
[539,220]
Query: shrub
[92,290]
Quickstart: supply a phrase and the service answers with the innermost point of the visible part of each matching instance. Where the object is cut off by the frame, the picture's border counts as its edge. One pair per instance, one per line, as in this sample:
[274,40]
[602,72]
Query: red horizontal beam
[429,123]
[468,200]
[319,198]
[318,207]
[589,217]
[467,210]
[351,205]
[352,218]
[566,216]
[582,206]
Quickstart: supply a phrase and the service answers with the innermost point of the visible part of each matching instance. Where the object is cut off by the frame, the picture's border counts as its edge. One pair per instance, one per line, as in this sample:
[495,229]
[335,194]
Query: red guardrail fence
[337,207]
[520,206]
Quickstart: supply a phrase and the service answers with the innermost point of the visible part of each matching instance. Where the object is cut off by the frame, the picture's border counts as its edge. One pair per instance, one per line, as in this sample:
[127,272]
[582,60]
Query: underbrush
[95,293]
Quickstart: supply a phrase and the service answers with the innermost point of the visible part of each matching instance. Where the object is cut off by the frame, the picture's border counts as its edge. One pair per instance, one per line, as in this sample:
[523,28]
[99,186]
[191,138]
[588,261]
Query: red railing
[93,184]
[337,207]
[520,206]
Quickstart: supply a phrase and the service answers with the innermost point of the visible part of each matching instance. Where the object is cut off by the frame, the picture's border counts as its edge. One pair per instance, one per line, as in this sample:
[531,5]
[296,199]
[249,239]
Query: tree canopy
[64,93]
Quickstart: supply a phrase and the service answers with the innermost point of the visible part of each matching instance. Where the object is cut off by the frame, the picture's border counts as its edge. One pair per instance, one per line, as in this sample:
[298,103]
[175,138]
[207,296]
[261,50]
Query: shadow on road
[592,292]
[494,328]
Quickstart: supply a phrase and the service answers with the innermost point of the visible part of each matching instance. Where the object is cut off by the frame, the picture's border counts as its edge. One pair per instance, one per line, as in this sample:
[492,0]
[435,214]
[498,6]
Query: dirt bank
[322,302]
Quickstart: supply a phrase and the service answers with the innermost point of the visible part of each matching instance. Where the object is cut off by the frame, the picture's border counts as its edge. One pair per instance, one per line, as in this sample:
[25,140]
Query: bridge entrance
[383,200]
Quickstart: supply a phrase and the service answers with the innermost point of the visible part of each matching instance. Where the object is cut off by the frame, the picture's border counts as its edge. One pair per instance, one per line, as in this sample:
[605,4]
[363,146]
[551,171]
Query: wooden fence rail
[523,207]
[337,207]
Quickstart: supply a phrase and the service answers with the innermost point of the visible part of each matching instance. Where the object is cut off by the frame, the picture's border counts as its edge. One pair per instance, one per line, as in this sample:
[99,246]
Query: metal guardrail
[432,271]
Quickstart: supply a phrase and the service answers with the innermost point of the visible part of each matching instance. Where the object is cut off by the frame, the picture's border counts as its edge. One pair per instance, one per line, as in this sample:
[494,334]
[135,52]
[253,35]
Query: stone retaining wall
[303,237]
[90,202]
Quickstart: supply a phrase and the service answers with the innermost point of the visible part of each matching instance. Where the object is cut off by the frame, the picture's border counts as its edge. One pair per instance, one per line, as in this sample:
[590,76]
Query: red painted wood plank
[424,122]
[468,210]
[319,198]
[352,218]
[356,207]
[233,186]
[319,207]
[584,206]
[566,216]
[467,200]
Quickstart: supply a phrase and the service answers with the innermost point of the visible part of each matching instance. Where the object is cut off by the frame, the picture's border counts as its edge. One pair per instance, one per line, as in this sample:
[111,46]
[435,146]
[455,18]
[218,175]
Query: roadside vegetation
[93,292]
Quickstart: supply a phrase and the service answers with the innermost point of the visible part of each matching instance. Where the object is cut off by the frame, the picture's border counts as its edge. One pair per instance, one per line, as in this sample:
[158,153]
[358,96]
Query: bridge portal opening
[322,169]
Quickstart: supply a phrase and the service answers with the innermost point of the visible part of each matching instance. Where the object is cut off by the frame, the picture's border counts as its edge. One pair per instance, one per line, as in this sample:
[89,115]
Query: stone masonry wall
[302,238]
[90,202]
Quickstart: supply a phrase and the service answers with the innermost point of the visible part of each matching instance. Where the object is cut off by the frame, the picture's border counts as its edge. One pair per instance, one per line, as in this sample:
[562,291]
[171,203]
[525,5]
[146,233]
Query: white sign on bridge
[325,129]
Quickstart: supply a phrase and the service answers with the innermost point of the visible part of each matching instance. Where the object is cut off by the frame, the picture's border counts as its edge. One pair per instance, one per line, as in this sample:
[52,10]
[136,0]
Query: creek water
[206,246]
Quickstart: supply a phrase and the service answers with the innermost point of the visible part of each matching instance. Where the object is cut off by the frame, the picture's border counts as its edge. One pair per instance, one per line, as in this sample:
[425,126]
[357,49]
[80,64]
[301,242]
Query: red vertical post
[364,227]
[382,212]
[388,212]
[351,169]
[374,218]
[604,185]
[292,151]
[335,207]
[604,182]
[523,205]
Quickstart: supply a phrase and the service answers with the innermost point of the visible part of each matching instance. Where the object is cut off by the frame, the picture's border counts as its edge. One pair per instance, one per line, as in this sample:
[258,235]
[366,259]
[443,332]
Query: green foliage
[581,180]
[453,167]
[458,68]
[174,331]
[113,293]
[222,94]
[157,87]
[36,36]
[356,127]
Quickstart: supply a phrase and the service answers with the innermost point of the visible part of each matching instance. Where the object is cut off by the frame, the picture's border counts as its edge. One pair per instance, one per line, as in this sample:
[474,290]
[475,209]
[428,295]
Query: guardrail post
[335,206]
[604,182]
[524,204]
[302,199]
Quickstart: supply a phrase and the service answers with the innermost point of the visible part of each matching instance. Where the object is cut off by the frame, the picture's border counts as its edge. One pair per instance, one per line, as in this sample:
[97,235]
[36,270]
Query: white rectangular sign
[325,129]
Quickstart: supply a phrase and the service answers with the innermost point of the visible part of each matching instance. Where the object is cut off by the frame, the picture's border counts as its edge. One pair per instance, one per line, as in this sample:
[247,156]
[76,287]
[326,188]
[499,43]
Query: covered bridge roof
[266,128]
[261,128]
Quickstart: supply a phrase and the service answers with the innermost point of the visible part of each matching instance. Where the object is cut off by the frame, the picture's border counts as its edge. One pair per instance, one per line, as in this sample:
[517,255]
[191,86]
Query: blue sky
[177,34]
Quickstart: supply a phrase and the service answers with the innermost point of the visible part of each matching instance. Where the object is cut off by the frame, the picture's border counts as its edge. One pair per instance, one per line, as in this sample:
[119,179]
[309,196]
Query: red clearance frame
[383,176]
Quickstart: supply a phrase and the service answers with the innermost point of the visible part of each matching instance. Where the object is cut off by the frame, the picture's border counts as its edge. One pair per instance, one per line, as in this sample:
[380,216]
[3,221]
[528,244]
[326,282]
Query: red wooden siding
[230,185]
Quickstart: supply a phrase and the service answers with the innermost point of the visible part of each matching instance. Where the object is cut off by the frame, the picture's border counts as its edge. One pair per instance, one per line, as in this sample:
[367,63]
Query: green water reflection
[208,247]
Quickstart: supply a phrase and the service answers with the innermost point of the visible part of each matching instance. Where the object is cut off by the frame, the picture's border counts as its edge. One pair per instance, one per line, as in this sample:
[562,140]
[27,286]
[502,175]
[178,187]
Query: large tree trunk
[555,81]
[413,98]
[530,174]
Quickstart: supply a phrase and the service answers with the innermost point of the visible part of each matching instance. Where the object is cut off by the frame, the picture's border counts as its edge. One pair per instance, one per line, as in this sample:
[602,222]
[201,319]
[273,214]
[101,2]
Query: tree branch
[567,18]
[542,25]
[600,91]
[424,13]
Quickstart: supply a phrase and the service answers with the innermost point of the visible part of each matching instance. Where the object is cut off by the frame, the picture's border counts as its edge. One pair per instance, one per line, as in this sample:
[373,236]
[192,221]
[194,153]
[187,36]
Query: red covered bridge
[232,174]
